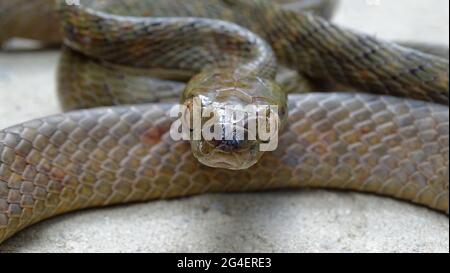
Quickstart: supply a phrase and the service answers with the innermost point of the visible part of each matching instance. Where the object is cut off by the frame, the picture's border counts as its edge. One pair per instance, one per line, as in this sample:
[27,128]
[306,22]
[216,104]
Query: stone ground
[299,221]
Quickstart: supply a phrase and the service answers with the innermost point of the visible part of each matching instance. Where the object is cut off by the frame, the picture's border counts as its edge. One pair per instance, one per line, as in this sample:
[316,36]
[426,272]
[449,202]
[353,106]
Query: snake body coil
[380,144]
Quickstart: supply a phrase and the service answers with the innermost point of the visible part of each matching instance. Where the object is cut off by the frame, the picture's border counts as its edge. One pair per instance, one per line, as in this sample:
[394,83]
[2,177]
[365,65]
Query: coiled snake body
[381,144]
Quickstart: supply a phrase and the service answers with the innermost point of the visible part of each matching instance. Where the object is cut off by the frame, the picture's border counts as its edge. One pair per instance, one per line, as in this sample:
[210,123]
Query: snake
[392,142]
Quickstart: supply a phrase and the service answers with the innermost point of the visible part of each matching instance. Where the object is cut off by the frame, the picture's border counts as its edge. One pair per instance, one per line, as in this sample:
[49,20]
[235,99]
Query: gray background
[300,221]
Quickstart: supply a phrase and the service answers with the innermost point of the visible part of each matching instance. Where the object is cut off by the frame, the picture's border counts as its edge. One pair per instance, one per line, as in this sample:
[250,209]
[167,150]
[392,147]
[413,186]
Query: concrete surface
[300,221]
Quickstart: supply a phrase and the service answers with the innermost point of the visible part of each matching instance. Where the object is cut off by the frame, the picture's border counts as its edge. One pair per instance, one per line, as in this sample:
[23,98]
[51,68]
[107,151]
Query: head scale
[233,107]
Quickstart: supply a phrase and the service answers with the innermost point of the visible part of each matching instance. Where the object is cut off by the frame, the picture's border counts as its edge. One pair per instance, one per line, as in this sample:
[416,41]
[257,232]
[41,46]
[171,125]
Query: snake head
[234,117]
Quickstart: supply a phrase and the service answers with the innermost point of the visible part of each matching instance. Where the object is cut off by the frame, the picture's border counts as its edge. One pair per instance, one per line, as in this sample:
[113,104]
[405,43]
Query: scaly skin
[377,144]
[383,145]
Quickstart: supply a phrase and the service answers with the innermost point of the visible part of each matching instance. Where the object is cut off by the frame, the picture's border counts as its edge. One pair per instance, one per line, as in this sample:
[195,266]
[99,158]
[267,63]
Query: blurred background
[288,221]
